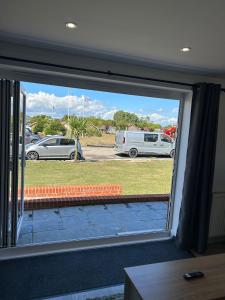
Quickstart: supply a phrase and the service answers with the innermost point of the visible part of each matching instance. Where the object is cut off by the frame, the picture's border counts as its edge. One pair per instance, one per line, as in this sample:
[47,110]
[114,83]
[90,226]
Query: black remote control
[192,275]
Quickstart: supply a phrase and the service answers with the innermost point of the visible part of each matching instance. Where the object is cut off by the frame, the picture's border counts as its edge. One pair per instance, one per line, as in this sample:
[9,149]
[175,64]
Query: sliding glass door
[18,161]
[12,162]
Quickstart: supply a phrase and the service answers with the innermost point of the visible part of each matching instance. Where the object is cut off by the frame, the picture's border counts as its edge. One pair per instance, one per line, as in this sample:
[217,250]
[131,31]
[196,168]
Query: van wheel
[133,153]
[73,154]
[172,153]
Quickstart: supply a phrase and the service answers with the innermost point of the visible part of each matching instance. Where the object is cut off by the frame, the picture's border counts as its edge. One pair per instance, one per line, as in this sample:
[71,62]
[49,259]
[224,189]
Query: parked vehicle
[134,143]
[30,137]
[172,131]
[53,147]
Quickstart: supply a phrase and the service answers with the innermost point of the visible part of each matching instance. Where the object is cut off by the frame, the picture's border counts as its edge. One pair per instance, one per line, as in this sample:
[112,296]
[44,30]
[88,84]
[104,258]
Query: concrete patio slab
[86,222]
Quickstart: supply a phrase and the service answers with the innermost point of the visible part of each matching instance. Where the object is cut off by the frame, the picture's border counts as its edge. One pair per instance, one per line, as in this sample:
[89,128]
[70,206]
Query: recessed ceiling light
[185,49]
[71,25]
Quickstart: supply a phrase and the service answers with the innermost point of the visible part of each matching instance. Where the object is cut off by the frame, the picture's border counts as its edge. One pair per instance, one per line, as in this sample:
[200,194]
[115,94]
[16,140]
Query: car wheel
[73,154]
[172,153]
[133,153]
[32,155]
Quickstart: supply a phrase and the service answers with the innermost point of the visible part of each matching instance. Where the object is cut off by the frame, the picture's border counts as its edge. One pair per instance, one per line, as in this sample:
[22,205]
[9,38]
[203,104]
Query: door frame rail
[5,113]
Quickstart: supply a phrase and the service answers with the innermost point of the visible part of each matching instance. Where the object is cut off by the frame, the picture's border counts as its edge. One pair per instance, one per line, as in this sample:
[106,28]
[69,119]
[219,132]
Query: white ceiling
[149,31]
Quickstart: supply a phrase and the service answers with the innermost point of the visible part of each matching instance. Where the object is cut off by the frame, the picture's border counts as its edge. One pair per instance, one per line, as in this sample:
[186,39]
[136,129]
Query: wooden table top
[164,281]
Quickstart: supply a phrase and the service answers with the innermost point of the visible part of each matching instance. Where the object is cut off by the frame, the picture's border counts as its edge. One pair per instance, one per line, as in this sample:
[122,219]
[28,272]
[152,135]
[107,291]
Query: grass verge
[148,177]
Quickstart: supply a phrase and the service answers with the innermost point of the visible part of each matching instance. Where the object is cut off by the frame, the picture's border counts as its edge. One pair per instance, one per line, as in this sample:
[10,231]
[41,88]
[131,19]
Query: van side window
[165,138]
[148,137]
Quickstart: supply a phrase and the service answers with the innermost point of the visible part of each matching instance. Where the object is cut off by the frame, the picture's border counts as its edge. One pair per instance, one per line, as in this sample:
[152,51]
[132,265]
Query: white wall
[103,63]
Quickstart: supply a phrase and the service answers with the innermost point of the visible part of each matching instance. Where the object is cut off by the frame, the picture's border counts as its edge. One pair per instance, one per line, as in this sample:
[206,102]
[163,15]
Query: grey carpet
[55,274]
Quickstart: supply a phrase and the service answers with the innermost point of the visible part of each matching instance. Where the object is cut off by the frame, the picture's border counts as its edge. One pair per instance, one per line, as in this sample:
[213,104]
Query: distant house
[107,129]
[102,128]
[111,129]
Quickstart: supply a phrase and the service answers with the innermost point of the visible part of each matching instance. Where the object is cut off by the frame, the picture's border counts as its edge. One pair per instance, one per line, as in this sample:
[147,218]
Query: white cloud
[109,114]
[172,121]
[163,120]
[50,104]
[57,106]
[175,110]
[160,109]
[156,117]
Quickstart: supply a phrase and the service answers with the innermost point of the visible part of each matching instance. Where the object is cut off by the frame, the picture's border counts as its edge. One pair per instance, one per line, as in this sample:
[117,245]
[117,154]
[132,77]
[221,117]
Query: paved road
[103,153]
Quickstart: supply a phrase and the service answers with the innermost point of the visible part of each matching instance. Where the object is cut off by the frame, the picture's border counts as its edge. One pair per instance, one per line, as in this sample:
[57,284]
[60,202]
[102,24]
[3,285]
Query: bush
[54,127]
[39,122]
[93,132]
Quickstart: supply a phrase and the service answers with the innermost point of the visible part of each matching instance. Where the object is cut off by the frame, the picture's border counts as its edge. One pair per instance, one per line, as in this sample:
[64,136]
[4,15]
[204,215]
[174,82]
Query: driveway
[106,153]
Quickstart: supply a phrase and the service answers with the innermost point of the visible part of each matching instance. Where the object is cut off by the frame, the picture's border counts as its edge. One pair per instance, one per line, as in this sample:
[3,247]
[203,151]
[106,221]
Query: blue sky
[57,101]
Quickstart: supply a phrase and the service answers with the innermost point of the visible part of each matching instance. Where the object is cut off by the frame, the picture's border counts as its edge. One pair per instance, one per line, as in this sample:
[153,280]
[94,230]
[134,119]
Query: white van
[142,142]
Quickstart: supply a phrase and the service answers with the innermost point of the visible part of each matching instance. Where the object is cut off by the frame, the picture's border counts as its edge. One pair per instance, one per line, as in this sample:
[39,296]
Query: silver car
[53,147]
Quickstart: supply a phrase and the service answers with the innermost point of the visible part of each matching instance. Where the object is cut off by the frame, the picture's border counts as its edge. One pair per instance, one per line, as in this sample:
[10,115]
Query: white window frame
[51,75]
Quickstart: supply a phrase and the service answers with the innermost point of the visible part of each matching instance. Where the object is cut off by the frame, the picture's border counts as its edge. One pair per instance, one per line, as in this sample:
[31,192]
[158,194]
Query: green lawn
[108,139]
[149,177]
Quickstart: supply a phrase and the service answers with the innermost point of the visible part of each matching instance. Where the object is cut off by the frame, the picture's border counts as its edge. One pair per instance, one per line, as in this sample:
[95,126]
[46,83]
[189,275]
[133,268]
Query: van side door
[134,140]
[151,143]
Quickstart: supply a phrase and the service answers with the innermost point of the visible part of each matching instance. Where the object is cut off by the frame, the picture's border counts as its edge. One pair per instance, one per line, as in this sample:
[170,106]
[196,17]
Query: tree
[78,127]
[39,122]
[93,131]
[143,124]
[123,119]
[54,127]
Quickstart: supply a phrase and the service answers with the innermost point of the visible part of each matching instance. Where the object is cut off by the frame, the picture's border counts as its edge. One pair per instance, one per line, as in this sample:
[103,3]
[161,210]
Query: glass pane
[120,181]
[11,151]
[165,138]
[21,156]
[151,138]
[52,142]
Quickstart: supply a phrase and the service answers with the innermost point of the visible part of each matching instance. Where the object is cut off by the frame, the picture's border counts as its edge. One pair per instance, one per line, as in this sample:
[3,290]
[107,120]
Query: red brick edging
[68,191]
[43,203]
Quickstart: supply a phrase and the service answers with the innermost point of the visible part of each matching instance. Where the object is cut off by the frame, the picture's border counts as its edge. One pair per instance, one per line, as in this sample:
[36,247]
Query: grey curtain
[194,218]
